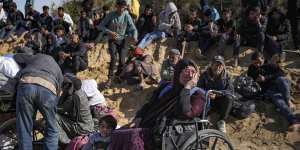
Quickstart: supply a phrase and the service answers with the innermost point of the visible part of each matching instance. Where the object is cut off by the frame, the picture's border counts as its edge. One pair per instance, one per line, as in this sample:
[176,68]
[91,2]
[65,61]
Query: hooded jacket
[169,20]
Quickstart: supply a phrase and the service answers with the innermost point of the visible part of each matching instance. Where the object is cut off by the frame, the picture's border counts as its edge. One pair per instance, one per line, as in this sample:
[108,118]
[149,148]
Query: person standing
[116,24]
[38,89]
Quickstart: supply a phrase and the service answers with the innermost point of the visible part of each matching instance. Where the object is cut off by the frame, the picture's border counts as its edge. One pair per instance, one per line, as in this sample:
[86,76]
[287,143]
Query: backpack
[78,142]
[242,108]
[246,87]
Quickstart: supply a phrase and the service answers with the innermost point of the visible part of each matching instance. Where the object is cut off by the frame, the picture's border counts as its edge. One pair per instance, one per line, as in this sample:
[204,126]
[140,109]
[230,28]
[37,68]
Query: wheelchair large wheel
[8,136]
[208,139]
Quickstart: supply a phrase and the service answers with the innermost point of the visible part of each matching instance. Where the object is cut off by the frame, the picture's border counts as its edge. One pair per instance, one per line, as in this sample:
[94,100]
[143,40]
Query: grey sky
[38,4]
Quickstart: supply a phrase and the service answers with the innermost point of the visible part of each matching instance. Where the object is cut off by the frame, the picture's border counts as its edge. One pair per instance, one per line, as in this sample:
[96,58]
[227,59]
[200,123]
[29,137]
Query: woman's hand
[193,82]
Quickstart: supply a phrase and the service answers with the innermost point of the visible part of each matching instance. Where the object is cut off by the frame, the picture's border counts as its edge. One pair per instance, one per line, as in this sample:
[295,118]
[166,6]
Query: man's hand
[212,96]
[261,78]
[113,35]
[189,28]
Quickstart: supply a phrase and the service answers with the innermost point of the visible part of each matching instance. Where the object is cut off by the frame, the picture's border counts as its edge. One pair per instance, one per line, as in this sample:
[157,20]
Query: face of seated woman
[187,74]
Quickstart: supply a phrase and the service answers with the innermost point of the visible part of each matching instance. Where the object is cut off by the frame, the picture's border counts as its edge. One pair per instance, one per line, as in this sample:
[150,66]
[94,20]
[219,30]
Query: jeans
[205,41]
[31,98]
[227,38]
[150,37]
[114,48]
[186,36]
[223,106]
[280,96]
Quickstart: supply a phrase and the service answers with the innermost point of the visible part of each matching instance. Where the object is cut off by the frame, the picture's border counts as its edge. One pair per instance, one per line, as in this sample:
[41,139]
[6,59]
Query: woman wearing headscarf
[180,99]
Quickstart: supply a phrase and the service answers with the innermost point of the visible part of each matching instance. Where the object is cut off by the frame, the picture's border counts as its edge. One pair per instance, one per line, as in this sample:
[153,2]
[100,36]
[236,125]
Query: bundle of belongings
[97,101]
[8,70]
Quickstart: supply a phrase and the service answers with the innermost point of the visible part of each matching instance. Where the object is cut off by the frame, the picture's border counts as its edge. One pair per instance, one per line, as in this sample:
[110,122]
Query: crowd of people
[56,50]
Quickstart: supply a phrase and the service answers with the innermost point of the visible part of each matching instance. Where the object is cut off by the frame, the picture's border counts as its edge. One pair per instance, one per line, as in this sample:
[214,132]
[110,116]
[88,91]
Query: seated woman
[180,99]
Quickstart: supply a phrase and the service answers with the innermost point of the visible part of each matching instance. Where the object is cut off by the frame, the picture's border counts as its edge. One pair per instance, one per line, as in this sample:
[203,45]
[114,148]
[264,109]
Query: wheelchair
[193,134]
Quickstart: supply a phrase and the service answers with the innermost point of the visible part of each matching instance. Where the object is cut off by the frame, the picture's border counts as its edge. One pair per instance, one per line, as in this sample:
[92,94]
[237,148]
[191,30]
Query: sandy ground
[263,130]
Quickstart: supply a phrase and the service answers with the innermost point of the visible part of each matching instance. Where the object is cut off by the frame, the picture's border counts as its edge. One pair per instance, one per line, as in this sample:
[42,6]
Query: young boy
[102,139]
[116,24]
[275,85]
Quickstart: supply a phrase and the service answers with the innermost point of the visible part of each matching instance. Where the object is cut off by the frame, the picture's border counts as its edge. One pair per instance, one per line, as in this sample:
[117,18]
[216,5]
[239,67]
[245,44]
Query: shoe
[221,126]
[294,127]
[199,53]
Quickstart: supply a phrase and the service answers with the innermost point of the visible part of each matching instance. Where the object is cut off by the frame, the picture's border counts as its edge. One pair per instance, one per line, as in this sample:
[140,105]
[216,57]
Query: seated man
[274,84]
[73,58]
[278,27]
[217,78]
[84,26]
[168,66]
[179,100]
[227,34]
[74,117]
[63,19]
[191,29]
[137,71]
[208,31]
[146,22]
[252,31]
[169,25]
[32,18]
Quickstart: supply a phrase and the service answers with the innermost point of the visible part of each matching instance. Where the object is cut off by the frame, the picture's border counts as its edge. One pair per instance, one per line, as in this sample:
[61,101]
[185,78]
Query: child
[102,139]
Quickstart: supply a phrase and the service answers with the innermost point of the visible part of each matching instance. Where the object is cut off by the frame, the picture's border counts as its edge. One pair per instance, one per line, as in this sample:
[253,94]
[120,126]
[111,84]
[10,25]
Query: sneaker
[221,126]
[199,53]
[294,127]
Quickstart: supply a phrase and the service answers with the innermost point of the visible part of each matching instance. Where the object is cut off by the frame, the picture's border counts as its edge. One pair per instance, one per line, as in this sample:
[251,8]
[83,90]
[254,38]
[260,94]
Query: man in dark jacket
[294,16]
[73,58]
[146,22]
[84,26]
[227,34]
[38,89]
[278,27]
[252,31]
[14,16]
[217,78]
[275,85]
[32,18]
[46,19]
[74,116]
[191,29]
[264,5]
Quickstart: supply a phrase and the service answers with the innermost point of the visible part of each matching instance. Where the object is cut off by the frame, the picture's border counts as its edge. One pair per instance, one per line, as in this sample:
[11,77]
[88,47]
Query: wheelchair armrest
[198,120]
